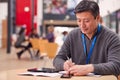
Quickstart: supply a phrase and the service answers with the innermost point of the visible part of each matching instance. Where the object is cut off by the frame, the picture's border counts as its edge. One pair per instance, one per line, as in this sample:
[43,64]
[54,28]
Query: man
[91,47]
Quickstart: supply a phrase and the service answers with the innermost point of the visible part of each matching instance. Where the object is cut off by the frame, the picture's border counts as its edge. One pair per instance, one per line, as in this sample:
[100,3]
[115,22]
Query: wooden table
[13,75]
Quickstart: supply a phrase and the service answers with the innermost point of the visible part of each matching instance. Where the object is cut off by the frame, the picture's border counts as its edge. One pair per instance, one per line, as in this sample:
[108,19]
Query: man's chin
[84,32]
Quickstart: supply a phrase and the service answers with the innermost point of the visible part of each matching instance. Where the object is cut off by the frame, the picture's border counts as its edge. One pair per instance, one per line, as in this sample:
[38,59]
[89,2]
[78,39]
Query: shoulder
[74,34]
[109,35]
[75,31]
[109,32]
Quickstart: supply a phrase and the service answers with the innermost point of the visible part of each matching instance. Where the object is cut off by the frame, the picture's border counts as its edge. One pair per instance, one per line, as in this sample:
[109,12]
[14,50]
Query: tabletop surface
[14,75]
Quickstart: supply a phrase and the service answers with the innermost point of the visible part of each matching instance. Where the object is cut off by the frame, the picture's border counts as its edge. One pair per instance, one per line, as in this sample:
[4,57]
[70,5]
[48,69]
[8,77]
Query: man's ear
[98,18]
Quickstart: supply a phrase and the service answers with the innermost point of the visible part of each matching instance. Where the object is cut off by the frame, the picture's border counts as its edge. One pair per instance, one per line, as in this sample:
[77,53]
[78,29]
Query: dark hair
[21,30]
[33,29]
[65,32]
[87,5]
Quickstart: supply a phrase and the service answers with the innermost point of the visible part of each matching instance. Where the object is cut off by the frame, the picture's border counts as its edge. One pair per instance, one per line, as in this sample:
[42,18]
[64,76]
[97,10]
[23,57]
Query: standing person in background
[92,47]
[65,33]
[50,35]
[20,43]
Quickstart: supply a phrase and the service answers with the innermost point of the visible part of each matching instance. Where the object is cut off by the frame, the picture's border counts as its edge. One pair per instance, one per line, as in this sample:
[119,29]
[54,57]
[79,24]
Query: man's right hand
[67,65]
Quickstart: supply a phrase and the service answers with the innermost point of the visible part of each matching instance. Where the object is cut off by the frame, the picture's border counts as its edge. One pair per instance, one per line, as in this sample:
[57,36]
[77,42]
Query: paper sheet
[40,74]
[52,74]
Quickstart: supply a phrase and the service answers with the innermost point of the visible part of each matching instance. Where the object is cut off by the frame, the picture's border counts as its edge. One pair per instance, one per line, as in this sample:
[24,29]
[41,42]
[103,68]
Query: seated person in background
[92,47]
[34,34]
[20,43]
[50,35]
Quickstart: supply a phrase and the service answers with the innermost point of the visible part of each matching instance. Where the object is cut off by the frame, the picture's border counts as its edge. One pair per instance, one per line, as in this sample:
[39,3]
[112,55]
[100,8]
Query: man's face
[87,22]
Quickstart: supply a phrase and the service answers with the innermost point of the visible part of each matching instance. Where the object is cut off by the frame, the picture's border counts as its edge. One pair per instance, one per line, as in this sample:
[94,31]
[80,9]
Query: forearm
[58,63]
[107,68]
[89,68]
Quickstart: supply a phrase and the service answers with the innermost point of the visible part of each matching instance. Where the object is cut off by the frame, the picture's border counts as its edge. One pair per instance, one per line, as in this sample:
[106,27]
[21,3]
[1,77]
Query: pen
[69,59]
[70,65]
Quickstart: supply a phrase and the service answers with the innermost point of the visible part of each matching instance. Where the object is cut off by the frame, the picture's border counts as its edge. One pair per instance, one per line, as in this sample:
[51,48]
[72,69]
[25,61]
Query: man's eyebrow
[84,18]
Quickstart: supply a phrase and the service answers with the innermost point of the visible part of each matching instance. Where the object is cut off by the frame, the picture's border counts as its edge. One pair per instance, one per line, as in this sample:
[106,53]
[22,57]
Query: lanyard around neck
[92,44]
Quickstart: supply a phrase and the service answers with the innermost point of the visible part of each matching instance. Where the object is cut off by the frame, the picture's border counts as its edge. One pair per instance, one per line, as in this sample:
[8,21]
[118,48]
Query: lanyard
[92,44]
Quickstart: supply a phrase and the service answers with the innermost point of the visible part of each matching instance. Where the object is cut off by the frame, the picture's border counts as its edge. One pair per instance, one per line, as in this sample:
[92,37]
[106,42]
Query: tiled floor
[10,61]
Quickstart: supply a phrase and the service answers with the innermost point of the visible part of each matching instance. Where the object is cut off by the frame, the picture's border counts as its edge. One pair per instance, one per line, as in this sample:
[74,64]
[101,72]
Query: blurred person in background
[50,34]
[91,48]
[20,43]
[33,34]
[59,7]
[65,33]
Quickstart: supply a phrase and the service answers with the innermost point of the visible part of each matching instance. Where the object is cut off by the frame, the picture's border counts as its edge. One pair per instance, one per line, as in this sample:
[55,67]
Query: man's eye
[86,20]
[78,20]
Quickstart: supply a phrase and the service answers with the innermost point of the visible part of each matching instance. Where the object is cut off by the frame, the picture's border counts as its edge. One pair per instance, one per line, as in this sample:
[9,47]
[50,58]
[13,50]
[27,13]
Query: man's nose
[82,24]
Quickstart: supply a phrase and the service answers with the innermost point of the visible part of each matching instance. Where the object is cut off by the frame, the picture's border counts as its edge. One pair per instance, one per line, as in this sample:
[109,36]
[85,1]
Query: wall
[3,16]
[108,5]
[4,33]
[24,13]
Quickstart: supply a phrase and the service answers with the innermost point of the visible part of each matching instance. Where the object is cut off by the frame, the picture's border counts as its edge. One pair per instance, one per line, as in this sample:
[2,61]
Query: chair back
[45,47]
[42,46]
[35,43]
[51,49]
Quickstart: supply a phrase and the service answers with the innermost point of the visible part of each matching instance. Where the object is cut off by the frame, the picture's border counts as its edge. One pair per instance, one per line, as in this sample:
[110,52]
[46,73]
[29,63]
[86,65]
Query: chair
[46,48]
[42,46]
[39,44]
[51,49]
[35,43]
[44,40]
